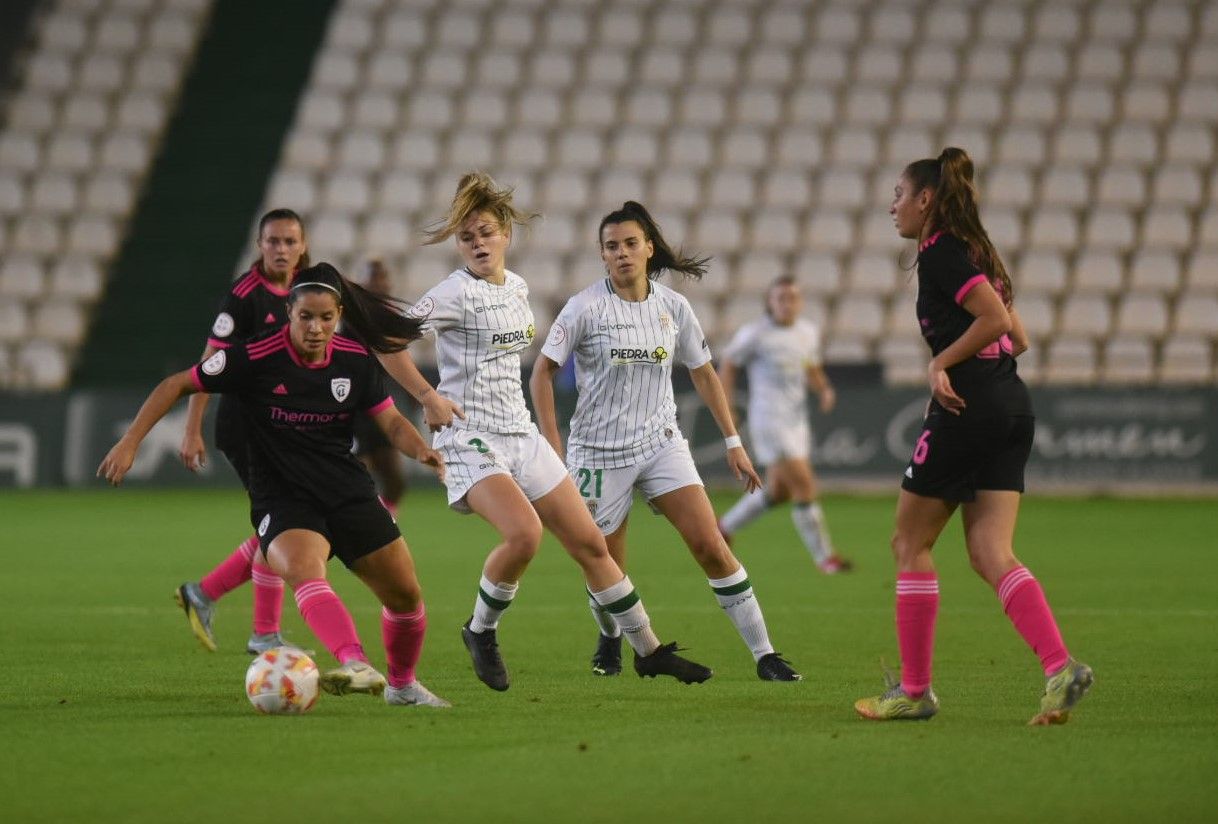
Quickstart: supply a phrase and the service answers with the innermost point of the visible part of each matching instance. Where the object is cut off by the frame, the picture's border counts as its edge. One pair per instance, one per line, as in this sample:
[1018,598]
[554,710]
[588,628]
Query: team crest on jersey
[224,325]
[340,388]
[558,334]
[215,364]
[422,309]
[666,322]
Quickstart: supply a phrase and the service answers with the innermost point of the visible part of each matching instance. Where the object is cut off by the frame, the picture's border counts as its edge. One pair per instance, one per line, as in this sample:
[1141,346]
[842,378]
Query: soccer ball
[282,681]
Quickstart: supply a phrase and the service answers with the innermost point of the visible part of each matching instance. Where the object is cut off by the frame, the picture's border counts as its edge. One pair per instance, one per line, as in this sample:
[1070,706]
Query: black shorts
[952,460]
[354,530]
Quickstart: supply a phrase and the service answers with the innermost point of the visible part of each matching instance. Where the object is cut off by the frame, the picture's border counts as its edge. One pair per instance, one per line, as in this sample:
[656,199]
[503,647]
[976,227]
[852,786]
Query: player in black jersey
[255,304]
[297,389]
[974,443]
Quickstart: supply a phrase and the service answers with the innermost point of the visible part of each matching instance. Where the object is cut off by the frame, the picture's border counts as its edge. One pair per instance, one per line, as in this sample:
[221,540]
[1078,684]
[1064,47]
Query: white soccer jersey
[480,329]
[624,352]
[777,359]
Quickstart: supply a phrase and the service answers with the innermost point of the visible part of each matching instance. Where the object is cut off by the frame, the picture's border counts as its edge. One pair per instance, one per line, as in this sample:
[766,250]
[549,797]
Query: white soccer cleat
[414,695]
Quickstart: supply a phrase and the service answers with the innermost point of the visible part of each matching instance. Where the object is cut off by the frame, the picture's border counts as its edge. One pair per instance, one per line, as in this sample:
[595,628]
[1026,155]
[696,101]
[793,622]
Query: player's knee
[709,550]
[522,540]
[403,598]
[906,547]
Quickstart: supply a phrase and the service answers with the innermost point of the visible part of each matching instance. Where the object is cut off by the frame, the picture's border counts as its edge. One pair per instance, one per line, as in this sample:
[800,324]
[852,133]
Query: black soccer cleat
[665,661]
[607,660]
[773,667]
[484,652]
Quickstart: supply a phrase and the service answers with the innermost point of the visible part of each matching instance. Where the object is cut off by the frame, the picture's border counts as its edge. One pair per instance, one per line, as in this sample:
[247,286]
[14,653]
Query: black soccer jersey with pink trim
[987,382]
[253,306]
[299,415]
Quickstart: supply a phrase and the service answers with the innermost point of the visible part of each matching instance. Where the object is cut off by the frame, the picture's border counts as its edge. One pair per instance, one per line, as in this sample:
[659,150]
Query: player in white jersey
[781,356]
[498,465]
[626,331]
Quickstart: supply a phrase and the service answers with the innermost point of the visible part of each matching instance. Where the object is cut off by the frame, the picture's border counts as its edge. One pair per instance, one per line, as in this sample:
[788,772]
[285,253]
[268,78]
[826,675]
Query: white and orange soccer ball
[282,681]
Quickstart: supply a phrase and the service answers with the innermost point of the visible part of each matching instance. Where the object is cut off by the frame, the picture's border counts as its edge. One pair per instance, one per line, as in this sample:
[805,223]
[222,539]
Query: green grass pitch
[111,712]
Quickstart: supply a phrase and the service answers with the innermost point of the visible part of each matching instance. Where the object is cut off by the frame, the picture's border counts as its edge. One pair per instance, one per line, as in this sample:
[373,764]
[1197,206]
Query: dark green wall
[203,191]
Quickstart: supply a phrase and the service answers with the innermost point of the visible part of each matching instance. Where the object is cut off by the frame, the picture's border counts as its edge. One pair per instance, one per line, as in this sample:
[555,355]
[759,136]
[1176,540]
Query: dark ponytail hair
[693,268]
[380,322]
[954,211]
[281,214]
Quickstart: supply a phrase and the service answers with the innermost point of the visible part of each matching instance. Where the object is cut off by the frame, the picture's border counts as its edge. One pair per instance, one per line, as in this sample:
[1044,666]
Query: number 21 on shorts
[589,477]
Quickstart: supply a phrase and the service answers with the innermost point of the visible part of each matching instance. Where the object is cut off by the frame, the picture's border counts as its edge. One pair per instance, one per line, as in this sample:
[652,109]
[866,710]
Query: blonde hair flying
[478,192]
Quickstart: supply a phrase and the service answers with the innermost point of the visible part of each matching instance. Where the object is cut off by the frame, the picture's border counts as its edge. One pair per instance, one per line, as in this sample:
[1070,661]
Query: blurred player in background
[298,388]
[625,332]
[256,303]
[498,465]
[781,354]
[974,444]
[371,445]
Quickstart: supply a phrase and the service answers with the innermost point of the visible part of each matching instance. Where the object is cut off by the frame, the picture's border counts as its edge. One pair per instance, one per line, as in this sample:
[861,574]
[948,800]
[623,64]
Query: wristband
[733,442]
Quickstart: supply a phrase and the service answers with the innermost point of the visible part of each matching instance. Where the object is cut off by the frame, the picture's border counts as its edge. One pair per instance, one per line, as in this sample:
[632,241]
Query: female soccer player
[256,303]
[497,464]
[974,444]
[298,388]
[782,355]
[626,331]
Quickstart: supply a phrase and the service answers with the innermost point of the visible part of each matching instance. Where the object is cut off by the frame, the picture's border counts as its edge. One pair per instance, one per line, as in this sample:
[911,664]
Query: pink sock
[403,636]
[268,598]
[325,614]
[917,606]
[1024,603]
[232,572]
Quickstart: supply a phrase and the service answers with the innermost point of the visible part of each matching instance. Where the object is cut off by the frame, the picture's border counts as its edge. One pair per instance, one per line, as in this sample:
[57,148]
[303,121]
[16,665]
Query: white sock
[810,523]
[604,620]
[492,600]
[624,604]
[735,595]
[749,508]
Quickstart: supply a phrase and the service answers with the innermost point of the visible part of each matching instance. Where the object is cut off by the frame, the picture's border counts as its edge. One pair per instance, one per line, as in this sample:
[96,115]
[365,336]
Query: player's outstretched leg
[330,621]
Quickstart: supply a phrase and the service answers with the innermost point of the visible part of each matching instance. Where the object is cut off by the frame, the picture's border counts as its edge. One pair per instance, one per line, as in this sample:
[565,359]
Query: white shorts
[771,441]
[471,455]
[609,493]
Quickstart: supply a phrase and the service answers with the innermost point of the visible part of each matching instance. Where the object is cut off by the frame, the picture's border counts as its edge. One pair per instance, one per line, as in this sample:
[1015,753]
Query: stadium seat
[59,321]
[1148,102]
[829,231]
[43,365]
[1128,361]
[1036,314]
[1053,228]
[1100,62]
[1090,103]
[1133,143]
[21,277]
[1143,315]
[774,230]
[500,72]
[77,277]
[1070,361]
[1085,316]
[1064,185]
[1166,227]
[1197,314]
[1179,185]
[1039,272]
[1186,360]
[844,188]
[1154,271]
[1120,186]
[1201,274]
[1110,228]
[1098,272]
[1077,145]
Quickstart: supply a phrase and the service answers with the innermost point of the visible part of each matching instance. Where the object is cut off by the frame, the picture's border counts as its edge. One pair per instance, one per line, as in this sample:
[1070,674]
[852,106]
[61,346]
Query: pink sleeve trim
[381,407]
[194,377]
[968,286]
[218,344]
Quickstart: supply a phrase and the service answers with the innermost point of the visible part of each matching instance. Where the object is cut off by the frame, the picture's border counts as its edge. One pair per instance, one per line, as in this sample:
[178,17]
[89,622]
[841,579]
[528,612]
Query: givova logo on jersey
[623,355]
[514,338]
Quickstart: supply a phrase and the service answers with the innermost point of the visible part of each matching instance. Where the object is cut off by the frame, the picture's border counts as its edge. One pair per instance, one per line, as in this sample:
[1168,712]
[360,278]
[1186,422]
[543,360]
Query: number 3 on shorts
[584,477]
